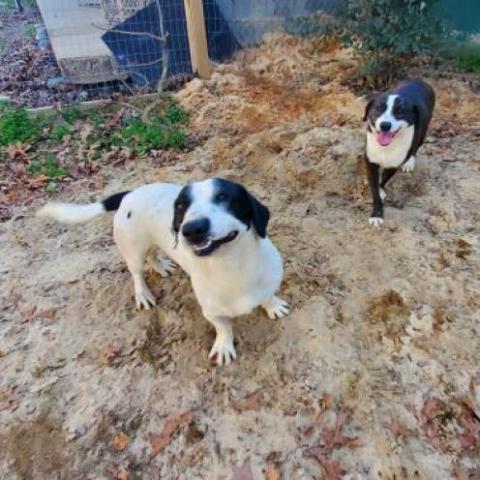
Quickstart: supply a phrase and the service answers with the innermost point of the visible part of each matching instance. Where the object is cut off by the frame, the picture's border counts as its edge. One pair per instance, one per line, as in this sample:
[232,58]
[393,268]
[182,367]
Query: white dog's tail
[77,213]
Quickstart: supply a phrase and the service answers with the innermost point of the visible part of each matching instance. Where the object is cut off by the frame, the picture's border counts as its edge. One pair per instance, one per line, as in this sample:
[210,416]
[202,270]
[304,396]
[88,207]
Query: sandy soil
[374,375]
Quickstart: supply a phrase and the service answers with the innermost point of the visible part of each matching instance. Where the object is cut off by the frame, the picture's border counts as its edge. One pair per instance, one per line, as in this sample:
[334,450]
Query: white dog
[214,229]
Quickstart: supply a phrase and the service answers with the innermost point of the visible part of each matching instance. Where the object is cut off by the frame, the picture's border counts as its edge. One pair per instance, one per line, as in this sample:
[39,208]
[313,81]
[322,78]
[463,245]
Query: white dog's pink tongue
[384,138]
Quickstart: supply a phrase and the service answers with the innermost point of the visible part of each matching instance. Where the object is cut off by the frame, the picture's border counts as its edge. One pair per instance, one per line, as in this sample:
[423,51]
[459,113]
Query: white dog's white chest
[234,288]
[393,155]
[229,299]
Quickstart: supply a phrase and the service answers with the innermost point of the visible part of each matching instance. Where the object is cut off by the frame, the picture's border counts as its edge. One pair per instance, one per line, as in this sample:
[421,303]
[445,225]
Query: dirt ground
[374,375]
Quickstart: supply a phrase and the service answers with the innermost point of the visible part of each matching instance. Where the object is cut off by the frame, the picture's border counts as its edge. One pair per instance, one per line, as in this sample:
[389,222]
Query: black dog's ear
[367,108]
[260,216]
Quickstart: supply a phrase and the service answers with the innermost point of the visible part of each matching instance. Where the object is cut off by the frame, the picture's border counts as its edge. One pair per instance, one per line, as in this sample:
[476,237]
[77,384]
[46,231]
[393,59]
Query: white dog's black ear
[180,206]
[367,108]
[260,216]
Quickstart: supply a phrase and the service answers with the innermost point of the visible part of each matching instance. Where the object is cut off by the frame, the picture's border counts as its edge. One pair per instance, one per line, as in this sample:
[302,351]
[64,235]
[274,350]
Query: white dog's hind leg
[276,308]
[409,165]
[163,266]
[223,347]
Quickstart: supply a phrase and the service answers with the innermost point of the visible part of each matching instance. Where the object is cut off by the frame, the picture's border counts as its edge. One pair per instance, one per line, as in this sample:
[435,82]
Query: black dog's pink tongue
[384,138]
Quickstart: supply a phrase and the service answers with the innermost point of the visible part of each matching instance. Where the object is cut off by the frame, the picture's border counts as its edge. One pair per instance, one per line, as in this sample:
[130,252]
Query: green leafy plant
[49,167]
[175,114]
[15,125]
[388,34]
[163,131]
[71,113]
[467,57]
[59,132]
[143,137]
[30,31]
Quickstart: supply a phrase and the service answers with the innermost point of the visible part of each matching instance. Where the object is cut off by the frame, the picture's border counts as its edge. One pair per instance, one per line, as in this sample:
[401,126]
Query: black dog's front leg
[376,219]
[387,174]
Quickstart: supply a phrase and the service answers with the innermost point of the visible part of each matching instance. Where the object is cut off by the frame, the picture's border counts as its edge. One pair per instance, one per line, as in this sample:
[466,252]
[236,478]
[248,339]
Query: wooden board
[197,37]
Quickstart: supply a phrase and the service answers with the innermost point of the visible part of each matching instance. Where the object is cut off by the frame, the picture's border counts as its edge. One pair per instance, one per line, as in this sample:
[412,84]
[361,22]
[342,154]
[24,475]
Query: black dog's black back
[419,93]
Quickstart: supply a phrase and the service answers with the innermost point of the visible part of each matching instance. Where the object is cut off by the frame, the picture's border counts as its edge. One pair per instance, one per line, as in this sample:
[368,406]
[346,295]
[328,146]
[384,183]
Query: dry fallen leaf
[332,469]
[326,401]
[116,119]
[27,311]
[400,430]
[160,441]
[108,355]
[244,472]
[470,437]
[122,474]
[120,441]
[273,472]
[250,402]
[48,313]
[85,132]
[17,150]
[334,438]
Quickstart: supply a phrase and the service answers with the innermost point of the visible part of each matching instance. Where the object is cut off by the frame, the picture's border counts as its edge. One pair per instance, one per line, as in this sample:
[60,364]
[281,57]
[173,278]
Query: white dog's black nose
[196,231]
[385,126]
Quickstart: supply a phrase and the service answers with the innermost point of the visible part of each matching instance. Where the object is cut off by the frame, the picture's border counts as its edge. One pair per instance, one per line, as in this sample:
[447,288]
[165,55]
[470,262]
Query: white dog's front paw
[144,298]
[375,222]
[224,350]
[163,266]
[409,165]
[276,308]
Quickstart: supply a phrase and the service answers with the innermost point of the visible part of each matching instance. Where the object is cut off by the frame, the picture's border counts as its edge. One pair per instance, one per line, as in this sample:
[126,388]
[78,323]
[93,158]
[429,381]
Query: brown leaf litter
[159,441]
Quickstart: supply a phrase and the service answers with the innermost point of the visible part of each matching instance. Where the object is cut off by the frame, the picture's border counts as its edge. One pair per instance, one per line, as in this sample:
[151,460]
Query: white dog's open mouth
[209,246]
[386,138]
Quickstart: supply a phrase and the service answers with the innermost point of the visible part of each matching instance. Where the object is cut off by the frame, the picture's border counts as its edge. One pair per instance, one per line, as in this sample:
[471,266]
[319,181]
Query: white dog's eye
[220,197]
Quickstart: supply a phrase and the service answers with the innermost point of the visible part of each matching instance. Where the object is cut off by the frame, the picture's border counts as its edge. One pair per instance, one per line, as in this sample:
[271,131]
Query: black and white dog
[214,229]
[397,125]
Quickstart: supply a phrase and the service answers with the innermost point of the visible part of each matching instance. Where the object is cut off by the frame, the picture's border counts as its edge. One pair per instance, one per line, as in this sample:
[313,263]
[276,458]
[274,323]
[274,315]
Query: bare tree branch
[162,39]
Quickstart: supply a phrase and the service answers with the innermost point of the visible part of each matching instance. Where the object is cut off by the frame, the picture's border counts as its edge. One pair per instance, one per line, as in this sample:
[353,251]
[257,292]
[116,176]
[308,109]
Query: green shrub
[467,57]
[389,34]
[15,125]
[316,24]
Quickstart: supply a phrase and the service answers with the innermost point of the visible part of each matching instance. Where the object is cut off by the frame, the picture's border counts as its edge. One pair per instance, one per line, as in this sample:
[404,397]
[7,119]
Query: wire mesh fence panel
[106,47]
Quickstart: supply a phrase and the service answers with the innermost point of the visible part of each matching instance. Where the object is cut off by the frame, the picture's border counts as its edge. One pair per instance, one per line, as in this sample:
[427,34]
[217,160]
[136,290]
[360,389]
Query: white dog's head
[214,213]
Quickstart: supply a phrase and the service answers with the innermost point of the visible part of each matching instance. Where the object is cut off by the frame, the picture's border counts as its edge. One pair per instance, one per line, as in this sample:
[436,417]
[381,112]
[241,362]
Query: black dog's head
[216,212]
[387,114]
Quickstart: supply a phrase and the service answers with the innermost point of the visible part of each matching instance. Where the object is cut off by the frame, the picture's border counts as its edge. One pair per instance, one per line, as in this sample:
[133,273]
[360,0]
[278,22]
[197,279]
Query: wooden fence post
[197,37]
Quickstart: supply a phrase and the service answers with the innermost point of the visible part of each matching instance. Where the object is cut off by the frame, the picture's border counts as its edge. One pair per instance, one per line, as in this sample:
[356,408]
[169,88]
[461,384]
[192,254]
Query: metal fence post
[197,37]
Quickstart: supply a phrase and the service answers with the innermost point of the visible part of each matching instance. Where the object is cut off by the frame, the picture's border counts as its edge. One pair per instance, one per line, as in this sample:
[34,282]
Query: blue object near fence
[141,55]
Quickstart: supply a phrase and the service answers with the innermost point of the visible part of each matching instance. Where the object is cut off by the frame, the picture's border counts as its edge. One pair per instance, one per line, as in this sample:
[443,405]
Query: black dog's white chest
[393,155]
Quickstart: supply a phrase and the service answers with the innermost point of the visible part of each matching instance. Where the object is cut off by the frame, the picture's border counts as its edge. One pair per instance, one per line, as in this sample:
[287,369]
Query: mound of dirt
[374,375]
